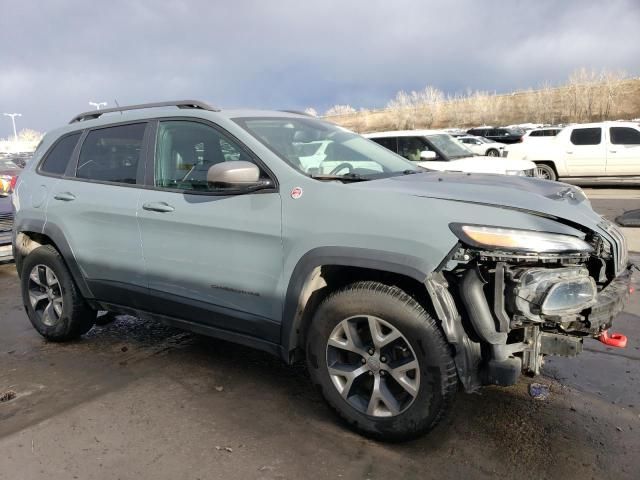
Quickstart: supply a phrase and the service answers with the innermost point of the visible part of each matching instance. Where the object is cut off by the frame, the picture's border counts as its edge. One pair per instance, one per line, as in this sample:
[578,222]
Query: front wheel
[492,152]
[381,361]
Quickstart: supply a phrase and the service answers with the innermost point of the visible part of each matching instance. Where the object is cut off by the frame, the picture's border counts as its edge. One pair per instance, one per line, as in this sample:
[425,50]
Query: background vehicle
[437,150]
[9,172]
[482,146]
[541,133]
[586,153]
[500,135]
[394,284]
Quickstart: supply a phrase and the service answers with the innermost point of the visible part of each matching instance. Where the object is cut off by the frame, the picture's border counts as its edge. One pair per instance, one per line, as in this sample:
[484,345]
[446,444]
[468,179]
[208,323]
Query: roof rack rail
[174,103]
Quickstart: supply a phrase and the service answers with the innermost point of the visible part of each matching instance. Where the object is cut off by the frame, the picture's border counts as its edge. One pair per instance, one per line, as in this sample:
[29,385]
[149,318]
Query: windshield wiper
[347,177]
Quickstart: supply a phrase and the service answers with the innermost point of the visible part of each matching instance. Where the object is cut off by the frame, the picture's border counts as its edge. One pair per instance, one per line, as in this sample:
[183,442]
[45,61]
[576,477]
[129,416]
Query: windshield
[485,140]
[450,147]
[318,149]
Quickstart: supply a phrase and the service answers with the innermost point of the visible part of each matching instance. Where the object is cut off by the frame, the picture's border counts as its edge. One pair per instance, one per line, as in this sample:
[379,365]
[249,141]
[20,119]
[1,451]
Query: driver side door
[211,256]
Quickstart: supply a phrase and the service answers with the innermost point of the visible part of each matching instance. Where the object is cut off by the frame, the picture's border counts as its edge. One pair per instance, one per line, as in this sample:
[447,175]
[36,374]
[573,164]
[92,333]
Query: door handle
[612,151]
[569,151]
[161,207]
[65,196]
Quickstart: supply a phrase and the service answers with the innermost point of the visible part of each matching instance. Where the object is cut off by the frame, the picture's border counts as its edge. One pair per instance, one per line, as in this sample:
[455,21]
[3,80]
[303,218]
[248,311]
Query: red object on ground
[613,339]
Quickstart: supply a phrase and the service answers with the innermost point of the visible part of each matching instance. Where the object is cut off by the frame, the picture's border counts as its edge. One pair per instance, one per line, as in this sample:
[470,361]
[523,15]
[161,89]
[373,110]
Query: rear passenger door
[93,205]
[623,154]
[585,154]
[213,256]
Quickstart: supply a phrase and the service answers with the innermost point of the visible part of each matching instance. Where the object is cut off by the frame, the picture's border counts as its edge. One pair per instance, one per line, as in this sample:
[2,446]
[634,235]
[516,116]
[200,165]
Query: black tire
[546,171]
[493,152]
[438,382]
[76,317]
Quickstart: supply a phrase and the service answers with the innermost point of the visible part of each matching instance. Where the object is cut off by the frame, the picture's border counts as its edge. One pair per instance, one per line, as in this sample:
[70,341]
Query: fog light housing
[569,296]
[554,292]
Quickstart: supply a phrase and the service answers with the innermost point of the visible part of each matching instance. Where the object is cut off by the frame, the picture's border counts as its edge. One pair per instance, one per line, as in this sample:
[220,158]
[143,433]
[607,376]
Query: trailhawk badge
[296,193]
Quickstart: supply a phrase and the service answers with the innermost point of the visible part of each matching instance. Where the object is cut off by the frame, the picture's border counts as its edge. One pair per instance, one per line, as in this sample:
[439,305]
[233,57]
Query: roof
[181,108]
[404,133]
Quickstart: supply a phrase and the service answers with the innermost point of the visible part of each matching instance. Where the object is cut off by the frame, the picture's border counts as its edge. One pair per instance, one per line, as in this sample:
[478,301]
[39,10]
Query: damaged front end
[522,295]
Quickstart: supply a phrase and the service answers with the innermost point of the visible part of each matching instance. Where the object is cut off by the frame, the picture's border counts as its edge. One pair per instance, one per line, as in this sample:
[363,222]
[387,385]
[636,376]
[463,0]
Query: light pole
[97,104]
[13,120]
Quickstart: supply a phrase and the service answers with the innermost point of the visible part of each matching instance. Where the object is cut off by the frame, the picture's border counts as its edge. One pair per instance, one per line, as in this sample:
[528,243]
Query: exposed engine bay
[516,308]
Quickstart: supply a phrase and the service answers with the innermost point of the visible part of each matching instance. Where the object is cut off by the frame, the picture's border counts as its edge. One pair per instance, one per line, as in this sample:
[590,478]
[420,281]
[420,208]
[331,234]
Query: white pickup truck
[586,153]
[437,150]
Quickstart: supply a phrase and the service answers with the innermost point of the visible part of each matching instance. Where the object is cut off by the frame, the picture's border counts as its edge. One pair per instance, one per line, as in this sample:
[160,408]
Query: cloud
[58,55]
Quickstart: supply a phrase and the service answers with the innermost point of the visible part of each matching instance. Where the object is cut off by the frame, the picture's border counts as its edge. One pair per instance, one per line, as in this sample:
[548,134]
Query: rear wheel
[381,361]
[53,303]
[546,171]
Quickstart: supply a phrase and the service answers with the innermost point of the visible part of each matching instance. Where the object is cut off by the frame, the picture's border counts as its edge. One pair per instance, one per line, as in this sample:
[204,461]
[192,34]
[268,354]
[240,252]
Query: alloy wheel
[373,366]
[45,294]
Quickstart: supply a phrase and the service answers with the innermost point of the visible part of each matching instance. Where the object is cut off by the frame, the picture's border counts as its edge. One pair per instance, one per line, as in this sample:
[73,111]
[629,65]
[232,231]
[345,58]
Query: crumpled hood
[523,193]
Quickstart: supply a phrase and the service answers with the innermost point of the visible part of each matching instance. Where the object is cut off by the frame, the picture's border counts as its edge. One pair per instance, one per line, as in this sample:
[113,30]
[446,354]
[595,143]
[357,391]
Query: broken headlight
[554,292]
[516,240]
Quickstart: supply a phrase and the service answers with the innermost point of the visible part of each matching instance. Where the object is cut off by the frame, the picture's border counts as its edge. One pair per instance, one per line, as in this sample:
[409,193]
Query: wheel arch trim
[59,241]
[308,266]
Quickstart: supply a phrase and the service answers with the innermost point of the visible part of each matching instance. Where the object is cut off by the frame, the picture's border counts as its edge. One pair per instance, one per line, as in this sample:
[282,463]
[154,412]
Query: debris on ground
[539,391]
[7,396]
[219,388]
[226,449]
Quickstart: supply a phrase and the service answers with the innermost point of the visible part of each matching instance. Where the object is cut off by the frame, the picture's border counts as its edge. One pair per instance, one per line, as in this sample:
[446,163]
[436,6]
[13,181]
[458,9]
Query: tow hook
[613,339]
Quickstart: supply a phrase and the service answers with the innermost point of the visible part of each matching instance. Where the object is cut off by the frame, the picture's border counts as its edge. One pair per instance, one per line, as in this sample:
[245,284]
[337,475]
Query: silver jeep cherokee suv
[395,284]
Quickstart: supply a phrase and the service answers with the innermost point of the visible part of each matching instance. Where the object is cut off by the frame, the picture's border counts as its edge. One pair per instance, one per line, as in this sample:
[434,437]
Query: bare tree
[340,110]
[311,111]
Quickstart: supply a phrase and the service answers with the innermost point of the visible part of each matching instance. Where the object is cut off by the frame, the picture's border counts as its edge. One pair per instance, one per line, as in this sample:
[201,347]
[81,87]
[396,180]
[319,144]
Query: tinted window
[186,150]
[586,136]
[410,147]
[112,154]
[537,133]
[58,158]
[389,143]
[624,136]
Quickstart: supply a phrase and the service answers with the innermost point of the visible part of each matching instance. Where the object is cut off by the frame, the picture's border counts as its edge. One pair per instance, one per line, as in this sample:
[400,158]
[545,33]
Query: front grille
[6,222]
[618,245]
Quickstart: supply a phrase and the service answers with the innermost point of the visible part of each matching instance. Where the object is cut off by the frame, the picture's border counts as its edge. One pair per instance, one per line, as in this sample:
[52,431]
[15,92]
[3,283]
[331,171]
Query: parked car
[586,153]
[436,150]
[9,172]
[500,135]
[541,133]
[395,284]
[482,146]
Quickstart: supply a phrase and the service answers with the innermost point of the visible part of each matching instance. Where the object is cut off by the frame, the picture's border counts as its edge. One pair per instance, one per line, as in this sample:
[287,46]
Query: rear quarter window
[56,161]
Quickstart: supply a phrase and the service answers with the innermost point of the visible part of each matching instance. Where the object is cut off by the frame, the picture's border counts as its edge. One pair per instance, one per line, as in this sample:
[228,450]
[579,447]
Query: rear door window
[56,161]
[624,136]
[112,154]
[586,136]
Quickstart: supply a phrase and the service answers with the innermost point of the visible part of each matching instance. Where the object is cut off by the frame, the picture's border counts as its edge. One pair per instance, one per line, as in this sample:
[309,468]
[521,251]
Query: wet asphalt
[137,399]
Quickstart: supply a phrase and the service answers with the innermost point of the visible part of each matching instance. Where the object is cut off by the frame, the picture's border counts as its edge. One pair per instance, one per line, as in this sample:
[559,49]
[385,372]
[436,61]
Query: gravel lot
[140,400]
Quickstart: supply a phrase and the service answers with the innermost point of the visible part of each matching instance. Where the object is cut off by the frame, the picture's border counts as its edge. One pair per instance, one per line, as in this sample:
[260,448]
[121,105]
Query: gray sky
[56,56]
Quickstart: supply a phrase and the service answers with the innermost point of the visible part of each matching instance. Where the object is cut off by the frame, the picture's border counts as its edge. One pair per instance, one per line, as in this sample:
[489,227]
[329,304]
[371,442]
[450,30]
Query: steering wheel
[340,167]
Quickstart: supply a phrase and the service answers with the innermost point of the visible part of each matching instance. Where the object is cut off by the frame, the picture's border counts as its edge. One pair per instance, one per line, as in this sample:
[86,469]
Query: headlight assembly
[516,240]
[518,173]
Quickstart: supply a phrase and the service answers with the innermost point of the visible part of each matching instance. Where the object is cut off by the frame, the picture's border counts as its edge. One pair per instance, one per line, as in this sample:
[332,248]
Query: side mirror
[235,173]
[427,155]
